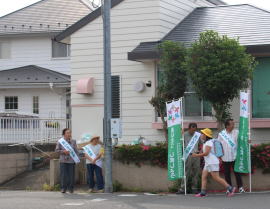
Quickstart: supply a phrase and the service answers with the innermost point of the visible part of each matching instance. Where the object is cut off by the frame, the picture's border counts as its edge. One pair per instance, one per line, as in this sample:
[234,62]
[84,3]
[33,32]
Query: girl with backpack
[211,164]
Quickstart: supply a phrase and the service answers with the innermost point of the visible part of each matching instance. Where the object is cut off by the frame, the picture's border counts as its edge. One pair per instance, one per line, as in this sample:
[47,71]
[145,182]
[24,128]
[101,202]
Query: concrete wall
[13,161]
[152,178]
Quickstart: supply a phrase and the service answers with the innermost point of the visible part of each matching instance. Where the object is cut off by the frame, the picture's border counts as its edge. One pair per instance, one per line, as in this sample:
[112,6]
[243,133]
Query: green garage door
[261,89]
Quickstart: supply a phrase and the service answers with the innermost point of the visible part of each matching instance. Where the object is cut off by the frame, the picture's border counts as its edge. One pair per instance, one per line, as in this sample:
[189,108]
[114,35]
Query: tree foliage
[173,80]
[219,68]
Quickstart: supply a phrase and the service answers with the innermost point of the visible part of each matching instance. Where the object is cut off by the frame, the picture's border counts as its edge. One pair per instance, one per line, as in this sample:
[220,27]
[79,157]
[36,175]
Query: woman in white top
[94,166]
[211,164]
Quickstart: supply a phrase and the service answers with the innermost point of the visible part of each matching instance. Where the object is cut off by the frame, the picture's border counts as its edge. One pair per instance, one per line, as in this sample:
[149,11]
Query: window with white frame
[11,103]
[5,51]
[35,104]
[60,49]
[193,106]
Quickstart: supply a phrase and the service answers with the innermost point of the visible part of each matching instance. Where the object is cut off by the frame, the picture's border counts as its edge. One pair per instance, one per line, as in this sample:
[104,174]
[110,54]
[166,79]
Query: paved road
[55,200]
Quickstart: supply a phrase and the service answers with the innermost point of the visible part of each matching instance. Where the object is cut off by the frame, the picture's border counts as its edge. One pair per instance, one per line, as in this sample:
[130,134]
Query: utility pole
[106,7]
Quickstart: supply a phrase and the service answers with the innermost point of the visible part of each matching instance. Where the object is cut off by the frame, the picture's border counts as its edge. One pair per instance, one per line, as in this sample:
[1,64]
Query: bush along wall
[142,154]
[157,155]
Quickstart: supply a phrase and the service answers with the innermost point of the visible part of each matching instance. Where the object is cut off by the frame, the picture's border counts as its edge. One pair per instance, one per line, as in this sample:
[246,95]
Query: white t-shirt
[210,159]
[229,152]
[96,149]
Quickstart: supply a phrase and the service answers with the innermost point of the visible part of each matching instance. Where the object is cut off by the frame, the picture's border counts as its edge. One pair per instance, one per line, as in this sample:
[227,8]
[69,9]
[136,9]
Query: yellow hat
[208,132]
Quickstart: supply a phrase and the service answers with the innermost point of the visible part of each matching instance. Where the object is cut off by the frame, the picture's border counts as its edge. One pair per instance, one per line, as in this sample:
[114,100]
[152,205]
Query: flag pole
[249,143]
[183,145]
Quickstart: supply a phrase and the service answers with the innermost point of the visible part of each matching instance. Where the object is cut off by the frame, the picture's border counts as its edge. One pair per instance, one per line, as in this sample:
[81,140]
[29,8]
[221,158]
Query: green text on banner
[242,157]
[175,141]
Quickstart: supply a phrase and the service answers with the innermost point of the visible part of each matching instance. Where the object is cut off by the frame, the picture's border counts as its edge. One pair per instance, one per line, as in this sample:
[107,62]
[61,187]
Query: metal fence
[25,130]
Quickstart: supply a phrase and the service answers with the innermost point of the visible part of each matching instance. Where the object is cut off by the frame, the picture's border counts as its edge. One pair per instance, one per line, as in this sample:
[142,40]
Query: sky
[7,6]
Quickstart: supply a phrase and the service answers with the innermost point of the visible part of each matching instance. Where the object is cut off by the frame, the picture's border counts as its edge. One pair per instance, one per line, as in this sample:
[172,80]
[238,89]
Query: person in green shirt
[193,169]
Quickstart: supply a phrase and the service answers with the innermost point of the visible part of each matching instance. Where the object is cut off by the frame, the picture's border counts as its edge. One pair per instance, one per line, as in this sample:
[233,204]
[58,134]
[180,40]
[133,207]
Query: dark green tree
[219,67]
[173,81]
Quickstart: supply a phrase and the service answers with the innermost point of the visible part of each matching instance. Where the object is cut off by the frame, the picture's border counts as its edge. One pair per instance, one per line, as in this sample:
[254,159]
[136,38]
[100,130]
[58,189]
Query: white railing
[25,130]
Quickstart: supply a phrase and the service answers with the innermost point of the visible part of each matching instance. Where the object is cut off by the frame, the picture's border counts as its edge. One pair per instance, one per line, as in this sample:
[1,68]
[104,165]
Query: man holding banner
[228,137]
[193,170]
[68,157]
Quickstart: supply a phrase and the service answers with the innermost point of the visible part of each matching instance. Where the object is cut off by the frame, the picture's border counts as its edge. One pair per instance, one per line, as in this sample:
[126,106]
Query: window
[60,49]
[192,105]
[115,97]
[4,50]
[35,104]
[261,89]
[11,103]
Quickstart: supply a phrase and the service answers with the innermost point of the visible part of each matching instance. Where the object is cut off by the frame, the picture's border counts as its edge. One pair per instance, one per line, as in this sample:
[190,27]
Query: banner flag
[175,141]
[243,152]
[193,141]
[67,147]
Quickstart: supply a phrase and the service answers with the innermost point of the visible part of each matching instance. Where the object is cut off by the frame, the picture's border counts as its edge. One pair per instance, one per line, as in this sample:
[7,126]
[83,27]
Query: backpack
[217,148]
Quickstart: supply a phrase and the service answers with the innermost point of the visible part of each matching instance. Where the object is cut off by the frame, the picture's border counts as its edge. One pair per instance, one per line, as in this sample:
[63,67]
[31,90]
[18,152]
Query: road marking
[127,195]
[150,194]
[73,204]
[98,200]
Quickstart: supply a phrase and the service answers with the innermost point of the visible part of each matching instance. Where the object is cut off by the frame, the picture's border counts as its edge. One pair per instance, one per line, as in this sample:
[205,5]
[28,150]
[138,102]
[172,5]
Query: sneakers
[241,190]
[100,191]
[71,191]
[63,191]
[231,192]
[90,190]
[200,195]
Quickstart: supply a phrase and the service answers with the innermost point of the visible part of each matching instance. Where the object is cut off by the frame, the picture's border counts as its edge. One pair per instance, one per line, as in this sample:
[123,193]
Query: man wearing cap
[192,164]
[228,138]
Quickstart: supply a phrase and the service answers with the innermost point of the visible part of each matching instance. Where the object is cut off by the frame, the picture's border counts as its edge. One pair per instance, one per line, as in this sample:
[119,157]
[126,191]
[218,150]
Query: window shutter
[115,96]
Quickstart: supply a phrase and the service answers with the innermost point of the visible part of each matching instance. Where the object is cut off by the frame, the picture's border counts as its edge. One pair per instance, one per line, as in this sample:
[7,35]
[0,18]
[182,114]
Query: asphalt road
[56,200]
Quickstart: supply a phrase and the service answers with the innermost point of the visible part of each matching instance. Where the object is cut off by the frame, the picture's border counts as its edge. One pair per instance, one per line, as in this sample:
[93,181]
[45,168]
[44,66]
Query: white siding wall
[34,51]
[133,21]
[51,104]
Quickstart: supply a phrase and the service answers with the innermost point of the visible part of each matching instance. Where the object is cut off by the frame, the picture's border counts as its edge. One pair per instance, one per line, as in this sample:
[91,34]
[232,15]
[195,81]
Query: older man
[192,164]
[228,138]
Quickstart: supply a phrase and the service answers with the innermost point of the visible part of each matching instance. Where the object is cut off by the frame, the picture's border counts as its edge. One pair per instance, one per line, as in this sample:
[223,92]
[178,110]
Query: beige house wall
[132,22]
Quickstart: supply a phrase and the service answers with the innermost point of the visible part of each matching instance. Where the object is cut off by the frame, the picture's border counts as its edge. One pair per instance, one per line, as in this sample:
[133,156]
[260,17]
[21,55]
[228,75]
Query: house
[132,22]
[35,69]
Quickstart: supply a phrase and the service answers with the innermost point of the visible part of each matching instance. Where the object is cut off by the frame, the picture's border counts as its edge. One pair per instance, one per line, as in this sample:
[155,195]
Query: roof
[84,21]
[44,16]
[248,23]
[97,13]
[217,2]
[32,74]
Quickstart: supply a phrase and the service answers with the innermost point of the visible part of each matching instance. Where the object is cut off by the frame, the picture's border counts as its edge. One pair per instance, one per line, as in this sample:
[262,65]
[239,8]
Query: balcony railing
[26,130]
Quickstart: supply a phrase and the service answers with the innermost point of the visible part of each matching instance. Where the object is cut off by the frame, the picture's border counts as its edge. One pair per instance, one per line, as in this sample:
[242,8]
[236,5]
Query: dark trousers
[67,171]
[227,172]
[91,169]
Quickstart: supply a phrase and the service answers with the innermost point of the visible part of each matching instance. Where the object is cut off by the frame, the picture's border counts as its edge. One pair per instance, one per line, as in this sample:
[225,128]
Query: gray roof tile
[248,23]
[44,16]
[32,74]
